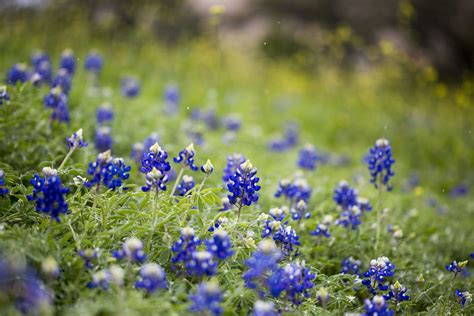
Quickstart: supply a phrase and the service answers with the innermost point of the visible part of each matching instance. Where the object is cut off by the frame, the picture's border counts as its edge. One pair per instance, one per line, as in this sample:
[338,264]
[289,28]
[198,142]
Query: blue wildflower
[18,73]
[76,140]
[45,71]
[103,139]
[226,206]
[100,279]
[397,293]
[207,168]
[464,298]
[283,235]
[155,179]
[208,116]
[186,185]
[152,278]
[218,223]
[232,123]
[138,149]
[233,162]
[207,299]
[261,308]
[63,80]
[350,218]
[289,139]
[58,101]
[307,157]
[350,266]
[243,186]
[220,245]
[107,170]
[3,189]
[459,190]
[345,196]
[185,246]
[130,87]
[377,307]
[4,97]
[456,267]
[363,204]
[105,113]
[68,61]
[201,263]
[88,255]
[322,229]
[132,249]
[155,157]
[380,163]
[298,281]
[94,62]
[171,97]
[323,297]
[39,57]
[380,269]
[294,191]
[261,265]
[300,211]
[186,158]
[49,194]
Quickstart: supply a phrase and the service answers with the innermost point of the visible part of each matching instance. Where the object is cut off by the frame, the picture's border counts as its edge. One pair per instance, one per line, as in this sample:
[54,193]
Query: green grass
[339,111]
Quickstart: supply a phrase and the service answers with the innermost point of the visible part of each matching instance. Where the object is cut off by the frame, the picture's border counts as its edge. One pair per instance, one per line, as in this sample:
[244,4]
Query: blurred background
[432,32]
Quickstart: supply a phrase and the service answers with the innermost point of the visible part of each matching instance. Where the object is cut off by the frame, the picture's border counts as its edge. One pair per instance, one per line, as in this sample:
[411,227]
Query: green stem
[68,155]
[202,183]
[379,218]
[178,178]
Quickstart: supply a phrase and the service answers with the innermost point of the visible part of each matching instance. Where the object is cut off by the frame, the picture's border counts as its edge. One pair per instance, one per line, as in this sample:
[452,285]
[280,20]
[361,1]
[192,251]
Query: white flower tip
[190,148]
[382,142]
[155,148]
[48,171]
[246,166]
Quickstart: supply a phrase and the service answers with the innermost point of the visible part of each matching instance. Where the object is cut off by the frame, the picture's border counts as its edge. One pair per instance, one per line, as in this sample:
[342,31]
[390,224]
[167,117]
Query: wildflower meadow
[138,178]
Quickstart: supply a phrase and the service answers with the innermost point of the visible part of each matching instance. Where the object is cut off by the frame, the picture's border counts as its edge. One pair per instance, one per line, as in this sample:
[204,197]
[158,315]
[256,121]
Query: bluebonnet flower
[63,80]
[4,97]
[44,70]
[363,204]
[220,245]
[103,139]
[464,298]
[94,62]
[38,57]
[132,249]
[233,162]
[208,116]
[68,61]
[138,149]
[152,278]
[155,157]
[18,73]
[261,265]
[185,246]
[350,218]
[456,267]
[105,113]
[171,97]
[261,308]
[100,279]
[350,266]
[88,255]
[278,213]
[307,157]
[232,123]
[35,79]
[243,185]
[380,163]
[380,269]
[219,222]
[23,286]
[294,191]
[397,293]
[155,179]
[207,168]
[50,268]
[323,297]
[107,170]
[76,140]
[226,206]
[345,196]
[130,87]
[377,307]
[289,139]
[58,101]
[186,157]
[459,190]
[49,194]
[207,299]
[283,235]
[186,185]
[298,280]
[322,229]
[201,263]
[300,211]
[3,189]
